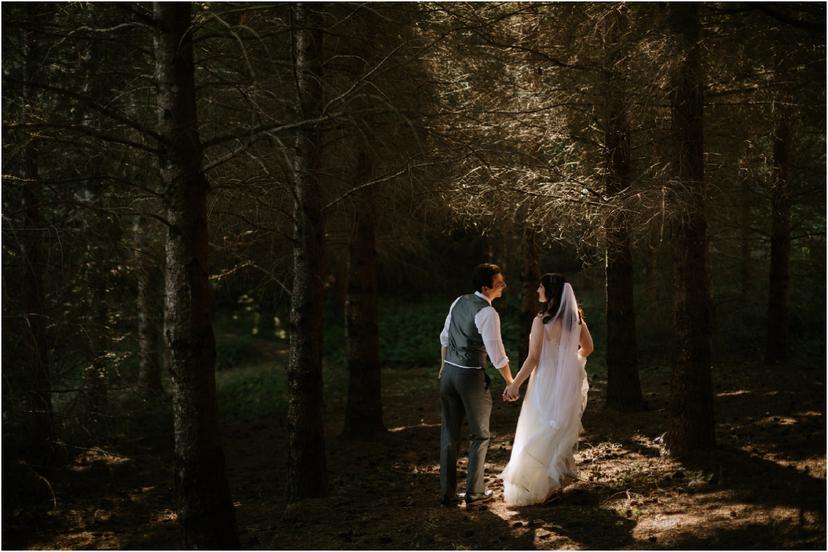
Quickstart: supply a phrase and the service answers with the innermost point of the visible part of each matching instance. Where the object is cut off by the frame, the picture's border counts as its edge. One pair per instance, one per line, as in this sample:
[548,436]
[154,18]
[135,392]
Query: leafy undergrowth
[764,488]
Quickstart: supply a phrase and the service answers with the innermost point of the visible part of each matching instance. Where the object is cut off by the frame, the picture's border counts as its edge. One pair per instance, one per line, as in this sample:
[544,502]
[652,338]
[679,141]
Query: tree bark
[363,412]
[96,373]
[691,426]
[530,275]
[307,469]
[623,385]
[745,261]
[651,273]
[40,428]
[205,508]
[38,396]
[150,309]
[776,349]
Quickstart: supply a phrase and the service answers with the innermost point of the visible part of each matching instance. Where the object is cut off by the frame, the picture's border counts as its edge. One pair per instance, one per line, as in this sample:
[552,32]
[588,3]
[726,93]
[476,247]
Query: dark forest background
[267,198]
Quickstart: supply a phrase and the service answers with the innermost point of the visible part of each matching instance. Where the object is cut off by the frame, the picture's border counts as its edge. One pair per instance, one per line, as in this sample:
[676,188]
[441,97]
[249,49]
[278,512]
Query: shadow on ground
[763,488]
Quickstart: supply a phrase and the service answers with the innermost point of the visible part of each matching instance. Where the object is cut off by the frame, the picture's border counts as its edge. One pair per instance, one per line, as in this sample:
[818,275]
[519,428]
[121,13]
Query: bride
[543,454]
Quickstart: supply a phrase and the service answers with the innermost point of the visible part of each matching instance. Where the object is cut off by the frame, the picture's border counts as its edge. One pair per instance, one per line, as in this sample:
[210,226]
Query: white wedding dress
[546,438]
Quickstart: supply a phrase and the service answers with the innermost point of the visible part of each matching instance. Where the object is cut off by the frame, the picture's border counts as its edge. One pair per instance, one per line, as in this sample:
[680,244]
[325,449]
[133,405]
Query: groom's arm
[506,372]
[488,323]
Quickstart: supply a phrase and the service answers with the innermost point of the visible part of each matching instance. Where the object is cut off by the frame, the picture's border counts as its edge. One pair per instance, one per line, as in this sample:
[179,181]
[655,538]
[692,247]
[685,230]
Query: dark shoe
[449,501]
[472,500]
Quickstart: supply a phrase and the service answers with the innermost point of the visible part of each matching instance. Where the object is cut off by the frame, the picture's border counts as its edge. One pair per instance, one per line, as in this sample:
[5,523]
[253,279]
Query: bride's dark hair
[553,285]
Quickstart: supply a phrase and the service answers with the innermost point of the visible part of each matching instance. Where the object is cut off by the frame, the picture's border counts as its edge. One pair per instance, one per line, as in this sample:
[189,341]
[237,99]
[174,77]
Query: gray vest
[465,342]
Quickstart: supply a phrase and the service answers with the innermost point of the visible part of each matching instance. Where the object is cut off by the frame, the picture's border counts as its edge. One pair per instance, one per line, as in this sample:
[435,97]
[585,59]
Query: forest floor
[764,488]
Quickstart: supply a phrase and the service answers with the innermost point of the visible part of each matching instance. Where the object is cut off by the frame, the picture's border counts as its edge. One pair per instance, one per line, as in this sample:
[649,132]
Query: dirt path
[764,487]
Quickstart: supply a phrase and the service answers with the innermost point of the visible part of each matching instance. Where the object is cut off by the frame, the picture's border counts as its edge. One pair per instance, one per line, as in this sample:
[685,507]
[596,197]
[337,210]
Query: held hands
[511,393]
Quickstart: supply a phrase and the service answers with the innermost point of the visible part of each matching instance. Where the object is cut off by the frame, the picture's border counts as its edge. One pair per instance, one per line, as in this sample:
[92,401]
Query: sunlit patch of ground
[109,500]
[630,494]
[101,540]
[88,458]
[763,488]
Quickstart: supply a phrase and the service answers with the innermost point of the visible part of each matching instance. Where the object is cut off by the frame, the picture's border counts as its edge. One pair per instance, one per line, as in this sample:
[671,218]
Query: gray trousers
[464,393]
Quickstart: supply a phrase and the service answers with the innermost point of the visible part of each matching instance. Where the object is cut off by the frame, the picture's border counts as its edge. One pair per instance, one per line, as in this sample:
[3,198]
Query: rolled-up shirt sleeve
[488,324]
[444,340]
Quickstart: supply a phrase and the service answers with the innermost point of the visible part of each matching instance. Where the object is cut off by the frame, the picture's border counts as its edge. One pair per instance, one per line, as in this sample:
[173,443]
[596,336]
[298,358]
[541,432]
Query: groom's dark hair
[484,275]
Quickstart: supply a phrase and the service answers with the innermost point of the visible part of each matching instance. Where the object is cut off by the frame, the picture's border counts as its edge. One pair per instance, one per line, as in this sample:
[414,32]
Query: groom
[471,332]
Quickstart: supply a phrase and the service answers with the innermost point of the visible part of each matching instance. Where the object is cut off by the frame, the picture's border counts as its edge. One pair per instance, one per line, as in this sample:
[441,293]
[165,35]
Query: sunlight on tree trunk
[150,305]
[205,508]
[307,474]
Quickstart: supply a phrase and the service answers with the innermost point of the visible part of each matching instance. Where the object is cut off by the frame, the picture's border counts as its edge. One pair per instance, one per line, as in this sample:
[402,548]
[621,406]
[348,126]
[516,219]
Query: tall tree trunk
[776,349]
[339,291]
[307,467]
[745,261]
[149,268]
[363,412]
[205,508]
[38,396]
[651,275]
[150,308]
[623,385]
[40,428]
[529,280]
[691,403]
[96,373]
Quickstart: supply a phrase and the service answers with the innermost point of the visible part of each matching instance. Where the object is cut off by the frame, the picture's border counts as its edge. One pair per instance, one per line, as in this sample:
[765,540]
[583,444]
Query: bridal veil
[546,437]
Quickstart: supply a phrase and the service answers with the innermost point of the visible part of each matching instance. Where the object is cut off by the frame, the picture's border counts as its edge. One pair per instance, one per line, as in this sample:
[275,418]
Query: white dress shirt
[488,324]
